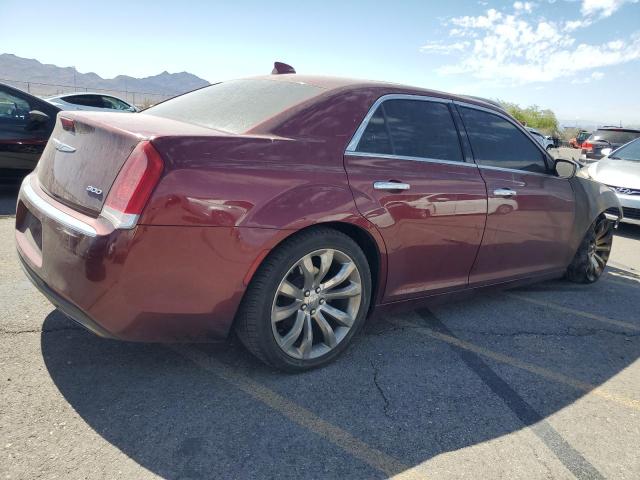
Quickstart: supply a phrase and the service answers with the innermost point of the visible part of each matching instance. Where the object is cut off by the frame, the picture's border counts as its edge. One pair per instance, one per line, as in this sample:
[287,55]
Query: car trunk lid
[87,150]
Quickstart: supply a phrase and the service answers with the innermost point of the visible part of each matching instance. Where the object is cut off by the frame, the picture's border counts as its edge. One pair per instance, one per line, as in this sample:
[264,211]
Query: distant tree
[543,120]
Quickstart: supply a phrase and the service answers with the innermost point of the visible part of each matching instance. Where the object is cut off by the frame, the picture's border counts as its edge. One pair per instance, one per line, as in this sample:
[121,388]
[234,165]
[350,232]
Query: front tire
[593,253]
[306,301]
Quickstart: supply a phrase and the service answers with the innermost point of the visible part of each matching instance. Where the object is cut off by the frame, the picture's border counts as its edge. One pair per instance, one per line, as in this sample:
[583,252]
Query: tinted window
[582,136]
[619,137]
[417,128]
[85,100]
[498,143]
[114,103]
[235,106]
[13,108]
[375,138]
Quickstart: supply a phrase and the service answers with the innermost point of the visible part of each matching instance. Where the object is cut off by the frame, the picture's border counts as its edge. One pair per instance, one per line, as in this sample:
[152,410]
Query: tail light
[133,186]
[587,146]
[68,124]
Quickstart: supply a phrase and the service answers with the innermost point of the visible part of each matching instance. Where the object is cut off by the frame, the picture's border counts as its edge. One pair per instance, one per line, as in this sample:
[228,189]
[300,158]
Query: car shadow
[8,198]
[627,230]
[403,393]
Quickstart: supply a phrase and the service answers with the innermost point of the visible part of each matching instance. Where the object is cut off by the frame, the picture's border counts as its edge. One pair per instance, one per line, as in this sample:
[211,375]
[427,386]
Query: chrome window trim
[516,170]
[411,159]
[353,143]
[52,212]
[518,126]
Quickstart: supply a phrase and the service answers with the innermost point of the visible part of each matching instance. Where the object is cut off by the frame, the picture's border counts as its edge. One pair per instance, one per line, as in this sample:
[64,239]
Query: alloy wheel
[316,304]
[599,249]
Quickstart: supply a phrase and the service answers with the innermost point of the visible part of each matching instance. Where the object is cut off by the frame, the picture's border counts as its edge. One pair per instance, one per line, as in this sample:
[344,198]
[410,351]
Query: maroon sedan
[288,207]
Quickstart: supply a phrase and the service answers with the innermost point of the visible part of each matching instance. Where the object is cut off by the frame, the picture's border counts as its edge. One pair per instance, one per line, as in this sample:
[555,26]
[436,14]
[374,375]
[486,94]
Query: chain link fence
[43,90]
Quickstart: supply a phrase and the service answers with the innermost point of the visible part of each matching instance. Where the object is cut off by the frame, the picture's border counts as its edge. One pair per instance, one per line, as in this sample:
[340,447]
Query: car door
[23,132]
[530,209]
[409,177]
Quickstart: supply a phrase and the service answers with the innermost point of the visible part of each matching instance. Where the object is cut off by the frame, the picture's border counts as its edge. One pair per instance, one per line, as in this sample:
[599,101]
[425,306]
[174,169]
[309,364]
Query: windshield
[235,106]
[628,152]
[618,137]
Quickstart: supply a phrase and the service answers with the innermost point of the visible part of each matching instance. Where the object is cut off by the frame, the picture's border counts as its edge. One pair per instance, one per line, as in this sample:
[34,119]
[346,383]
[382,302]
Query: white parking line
[341,438]
[573,311]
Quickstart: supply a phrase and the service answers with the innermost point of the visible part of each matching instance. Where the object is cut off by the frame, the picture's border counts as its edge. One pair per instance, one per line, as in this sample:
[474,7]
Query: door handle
[391,186]
[504,192]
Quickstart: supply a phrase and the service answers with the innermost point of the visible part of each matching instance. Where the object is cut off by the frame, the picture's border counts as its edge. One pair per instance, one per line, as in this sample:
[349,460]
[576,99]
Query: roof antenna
[280,68]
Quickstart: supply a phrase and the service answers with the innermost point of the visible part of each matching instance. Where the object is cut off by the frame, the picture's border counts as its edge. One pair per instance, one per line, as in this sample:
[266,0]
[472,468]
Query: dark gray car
[606,138]
[26,123]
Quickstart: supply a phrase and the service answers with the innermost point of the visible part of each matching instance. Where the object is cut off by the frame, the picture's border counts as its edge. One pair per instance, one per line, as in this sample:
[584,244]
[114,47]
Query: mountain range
[18,71]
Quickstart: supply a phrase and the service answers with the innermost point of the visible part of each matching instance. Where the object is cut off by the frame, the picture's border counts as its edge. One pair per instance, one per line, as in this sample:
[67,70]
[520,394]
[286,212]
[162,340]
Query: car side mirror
[37,120]
[565,168]
[36,116]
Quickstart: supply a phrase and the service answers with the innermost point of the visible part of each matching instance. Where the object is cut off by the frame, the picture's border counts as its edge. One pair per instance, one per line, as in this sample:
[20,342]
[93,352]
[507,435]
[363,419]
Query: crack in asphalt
[387,404]
[37,330]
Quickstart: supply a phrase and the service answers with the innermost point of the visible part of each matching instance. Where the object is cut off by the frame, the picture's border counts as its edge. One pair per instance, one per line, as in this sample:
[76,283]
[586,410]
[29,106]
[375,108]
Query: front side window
[497,142]
[412,128]
[15,121]
[13,109]
[114,103]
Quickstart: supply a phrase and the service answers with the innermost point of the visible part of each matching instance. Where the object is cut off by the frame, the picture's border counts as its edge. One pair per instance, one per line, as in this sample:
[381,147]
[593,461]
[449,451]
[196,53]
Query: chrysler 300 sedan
[288,208]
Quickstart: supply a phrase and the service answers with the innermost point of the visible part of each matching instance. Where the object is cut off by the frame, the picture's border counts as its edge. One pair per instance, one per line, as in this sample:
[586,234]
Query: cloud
[517,47]
[445,48]
[602,8]
[523,6]
[589,78]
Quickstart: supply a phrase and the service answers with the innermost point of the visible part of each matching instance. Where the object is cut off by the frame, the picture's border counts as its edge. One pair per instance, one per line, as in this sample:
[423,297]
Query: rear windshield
[235,106]
[628,152]
[583,136]
[614,136]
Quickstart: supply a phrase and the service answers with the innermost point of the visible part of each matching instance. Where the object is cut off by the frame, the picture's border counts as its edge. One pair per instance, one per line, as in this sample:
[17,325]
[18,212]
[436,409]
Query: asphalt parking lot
[540,382]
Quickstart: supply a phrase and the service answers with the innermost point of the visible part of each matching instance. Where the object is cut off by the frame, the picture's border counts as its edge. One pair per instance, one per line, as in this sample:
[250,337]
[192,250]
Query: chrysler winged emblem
[63,147]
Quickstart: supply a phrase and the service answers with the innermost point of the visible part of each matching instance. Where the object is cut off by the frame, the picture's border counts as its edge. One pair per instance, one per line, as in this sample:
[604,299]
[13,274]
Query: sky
[580,58]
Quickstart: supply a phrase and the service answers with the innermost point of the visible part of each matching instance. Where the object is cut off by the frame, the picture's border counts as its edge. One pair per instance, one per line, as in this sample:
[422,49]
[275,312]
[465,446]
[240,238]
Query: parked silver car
[91,101]
[620,170]
[546,142]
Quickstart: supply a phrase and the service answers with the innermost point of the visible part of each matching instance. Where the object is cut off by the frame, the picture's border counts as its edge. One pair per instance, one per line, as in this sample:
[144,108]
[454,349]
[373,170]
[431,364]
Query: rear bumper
[66,307]
[149,283]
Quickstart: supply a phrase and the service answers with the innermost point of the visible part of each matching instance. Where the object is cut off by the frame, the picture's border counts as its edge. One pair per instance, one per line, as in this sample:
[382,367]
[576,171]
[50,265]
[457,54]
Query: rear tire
[590,260]
[306,301]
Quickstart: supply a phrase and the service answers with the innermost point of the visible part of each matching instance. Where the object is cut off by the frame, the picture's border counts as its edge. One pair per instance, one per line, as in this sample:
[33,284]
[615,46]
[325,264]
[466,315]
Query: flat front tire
[306,301]
[590,260]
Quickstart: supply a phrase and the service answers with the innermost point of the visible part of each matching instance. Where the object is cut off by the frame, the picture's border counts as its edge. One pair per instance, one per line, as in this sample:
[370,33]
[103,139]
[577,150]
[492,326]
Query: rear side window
[412,128]
[375,138]
[614,136]
[235,106]
[497,142]
[85,100]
